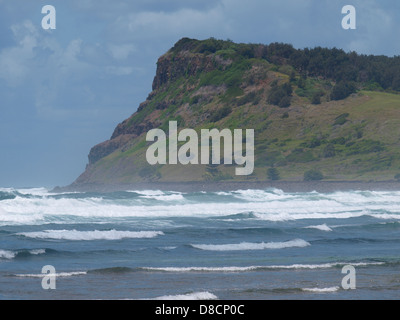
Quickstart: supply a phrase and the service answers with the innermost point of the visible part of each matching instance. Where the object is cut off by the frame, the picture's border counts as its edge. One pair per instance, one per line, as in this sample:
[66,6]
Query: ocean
[236,245]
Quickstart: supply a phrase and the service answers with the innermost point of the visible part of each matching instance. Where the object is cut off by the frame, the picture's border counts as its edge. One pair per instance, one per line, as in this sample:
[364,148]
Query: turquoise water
[245,244]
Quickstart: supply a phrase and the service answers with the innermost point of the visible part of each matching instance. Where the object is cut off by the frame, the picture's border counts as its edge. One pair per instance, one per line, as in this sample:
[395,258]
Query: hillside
[312,109]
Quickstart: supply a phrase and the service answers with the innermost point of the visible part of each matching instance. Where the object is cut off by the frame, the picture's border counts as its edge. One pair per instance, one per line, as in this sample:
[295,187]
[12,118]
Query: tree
[329,151]
[313,175]
[273,174]
[342,90]
[285,102]
[316,98]
[292,77]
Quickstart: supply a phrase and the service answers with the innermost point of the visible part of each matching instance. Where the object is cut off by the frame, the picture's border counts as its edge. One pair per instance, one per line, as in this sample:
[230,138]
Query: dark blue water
[249,244]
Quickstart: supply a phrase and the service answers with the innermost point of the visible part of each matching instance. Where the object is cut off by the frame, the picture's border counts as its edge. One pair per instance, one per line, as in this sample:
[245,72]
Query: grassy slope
[376,115]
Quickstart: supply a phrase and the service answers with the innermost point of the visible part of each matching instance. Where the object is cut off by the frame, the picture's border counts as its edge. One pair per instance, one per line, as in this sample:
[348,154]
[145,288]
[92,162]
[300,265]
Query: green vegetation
[342,90]
[309,109]
[341,120]
[280,95]
[313,175]
[273,174]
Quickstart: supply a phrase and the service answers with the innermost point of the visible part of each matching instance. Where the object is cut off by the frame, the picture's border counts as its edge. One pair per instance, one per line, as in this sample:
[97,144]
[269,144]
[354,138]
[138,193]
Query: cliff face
[301,121]
[169,68]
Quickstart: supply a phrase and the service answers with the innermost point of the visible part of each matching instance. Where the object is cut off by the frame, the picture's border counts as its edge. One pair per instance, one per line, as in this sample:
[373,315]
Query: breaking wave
[297,243]
[189,296]
[90,235]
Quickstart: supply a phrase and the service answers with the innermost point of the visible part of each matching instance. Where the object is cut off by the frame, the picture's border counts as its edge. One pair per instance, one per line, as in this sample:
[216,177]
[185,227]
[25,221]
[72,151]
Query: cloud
[119,71]
[147,25]
[121,52]
[14,61]
[375,26]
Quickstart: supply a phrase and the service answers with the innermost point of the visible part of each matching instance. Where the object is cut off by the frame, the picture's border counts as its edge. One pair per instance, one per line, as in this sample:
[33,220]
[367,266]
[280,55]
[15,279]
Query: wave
[231,269]
[236,269]
[57,274]
[260,195]
[189,296]
[6,254]
[11,254]
[321,290]
[265,205]
[322,227]
[160,195]
[7,196]
[297,243]
[90,235]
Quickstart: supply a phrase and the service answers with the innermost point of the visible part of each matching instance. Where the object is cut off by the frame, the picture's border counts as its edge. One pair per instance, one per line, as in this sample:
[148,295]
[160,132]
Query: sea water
[244,244]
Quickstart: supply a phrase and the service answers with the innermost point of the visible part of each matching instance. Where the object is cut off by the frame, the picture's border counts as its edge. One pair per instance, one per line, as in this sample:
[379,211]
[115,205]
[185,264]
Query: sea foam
[321,290]
[90,235]
[297,243]
[272,205]
[6,254]
[236,269]
[59,274]
[322,227]
[189,296]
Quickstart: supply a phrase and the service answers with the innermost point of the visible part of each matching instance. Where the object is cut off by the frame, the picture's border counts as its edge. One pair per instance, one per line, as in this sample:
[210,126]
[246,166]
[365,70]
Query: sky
[64,90]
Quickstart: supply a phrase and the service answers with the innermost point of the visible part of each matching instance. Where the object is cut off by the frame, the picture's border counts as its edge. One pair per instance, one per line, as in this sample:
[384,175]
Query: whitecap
[322,227]
[60,274]
[321,290]
[234,269]
[189,296]
[297,243]
[89,235]
[6,254]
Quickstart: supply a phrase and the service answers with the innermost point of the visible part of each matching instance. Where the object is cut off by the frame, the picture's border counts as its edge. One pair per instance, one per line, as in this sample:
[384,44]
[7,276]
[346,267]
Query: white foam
[190,296]
[160,195]
[148,192]
[60,274]
[263,205]
[5,254]
[321,290]
[261,195]
[166,197]
[34,191]
[168,248]
[325,265]
[90,235]
[322,227]
[297,243]
[204,269]
[37,251]
[234,269]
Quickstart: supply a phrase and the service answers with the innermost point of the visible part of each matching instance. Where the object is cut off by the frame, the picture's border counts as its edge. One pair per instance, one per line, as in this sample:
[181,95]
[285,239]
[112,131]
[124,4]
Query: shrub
[313,175]
[285,115]
[280,95]
[341,120]
[285,102]
[316,98]
[342,90]
[364,147]
[273,174]
[329,151]
[300,155]
[221,113]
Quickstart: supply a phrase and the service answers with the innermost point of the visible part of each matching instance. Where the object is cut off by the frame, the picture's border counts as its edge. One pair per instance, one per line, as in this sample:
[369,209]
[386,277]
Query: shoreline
[198,186]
